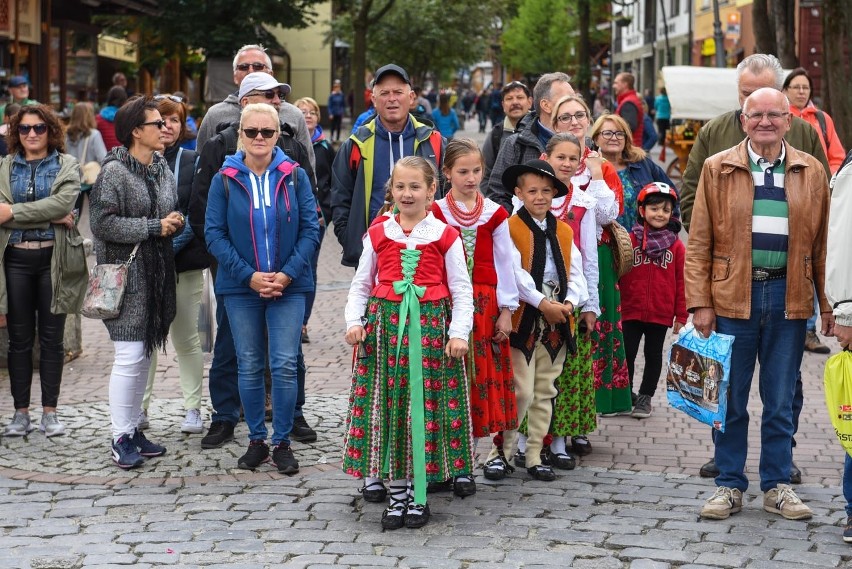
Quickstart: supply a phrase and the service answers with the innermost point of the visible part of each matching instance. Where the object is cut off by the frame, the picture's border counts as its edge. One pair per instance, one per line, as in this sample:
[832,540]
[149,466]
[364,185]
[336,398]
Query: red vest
[431,268]
[483,252]
[632,97]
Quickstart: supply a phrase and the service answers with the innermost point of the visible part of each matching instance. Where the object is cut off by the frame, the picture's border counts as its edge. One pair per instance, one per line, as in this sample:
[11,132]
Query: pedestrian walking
[409,416]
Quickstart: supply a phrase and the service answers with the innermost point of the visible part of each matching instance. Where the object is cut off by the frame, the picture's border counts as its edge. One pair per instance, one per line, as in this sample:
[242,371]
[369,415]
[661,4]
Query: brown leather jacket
[718,267]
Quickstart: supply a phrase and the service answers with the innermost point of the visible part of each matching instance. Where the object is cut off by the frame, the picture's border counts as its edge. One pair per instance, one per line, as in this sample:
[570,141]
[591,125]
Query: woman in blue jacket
[446,120]
[636,169]
[261,226]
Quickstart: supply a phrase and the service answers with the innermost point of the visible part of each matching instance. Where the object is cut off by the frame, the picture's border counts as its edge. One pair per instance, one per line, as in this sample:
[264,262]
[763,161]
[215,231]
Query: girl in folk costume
[488,250]
[612,386]
[409,414]
[574,407]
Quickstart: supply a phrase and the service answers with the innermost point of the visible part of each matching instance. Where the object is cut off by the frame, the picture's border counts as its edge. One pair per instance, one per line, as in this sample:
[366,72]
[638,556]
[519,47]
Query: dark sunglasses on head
[264,132]
[25,129]
[256,66]
[159,124]
[173,98]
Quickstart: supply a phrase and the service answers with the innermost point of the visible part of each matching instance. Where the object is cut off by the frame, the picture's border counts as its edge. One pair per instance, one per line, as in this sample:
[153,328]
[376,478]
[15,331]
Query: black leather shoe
[581,445]
[375,492]
[542,472]
[393,517]
[464,486]
[562,461]
[520,459]
[220,432]
[497,468]
[417,516]
[709,469]
[301,431]
[795,474]
[443,486]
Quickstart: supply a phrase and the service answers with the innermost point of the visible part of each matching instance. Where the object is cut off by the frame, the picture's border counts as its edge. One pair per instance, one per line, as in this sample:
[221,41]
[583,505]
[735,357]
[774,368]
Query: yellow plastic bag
[838,396]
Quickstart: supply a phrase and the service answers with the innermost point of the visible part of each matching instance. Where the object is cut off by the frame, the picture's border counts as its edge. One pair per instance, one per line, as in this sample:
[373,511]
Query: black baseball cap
[539,167]
[392,70]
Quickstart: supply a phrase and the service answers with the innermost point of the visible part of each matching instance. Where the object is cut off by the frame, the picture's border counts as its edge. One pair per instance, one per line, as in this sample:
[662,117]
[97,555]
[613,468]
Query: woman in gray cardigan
[133,205]
[42,264]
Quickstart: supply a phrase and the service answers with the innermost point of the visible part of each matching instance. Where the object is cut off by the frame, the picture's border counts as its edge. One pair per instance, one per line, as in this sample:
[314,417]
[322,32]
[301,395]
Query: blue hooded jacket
[262,223]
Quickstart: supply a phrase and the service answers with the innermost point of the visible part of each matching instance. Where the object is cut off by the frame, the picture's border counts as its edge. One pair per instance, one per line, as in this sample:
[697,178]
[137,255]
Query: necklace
[466,219]
[561,211]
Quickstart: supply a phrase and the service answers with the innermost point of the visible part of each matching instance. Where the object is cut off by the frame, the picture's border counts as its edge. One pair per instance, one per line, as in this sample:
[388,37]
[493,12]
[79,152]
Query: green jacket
[725,132]
[69,274]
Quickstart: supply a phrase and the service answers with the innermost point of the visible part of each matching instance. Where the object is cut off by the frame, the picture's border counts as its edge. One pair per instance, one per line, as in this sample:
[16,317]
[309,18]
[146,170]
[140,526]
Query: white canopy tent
[700,93]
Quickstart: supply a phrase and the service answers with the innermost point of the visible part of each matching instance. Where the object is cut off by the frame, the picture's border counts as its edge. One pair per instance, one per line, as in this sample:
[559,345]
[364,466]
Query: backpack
[496,138]
[434,140]
[820,117]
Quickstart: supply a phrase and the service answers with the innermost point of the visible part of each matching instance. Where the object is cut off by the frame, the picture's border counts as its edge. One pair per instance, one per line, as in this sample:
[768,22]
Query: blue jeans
[224,391]
[778,344]
[259,325]
[847,484]
[311,296]
[812,321]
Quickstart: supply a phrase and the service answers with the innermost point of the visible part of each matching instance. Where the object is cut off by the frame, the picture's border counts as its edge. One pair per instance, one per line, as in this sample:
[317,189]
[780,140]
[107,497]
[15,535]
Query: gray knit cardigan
[120,205]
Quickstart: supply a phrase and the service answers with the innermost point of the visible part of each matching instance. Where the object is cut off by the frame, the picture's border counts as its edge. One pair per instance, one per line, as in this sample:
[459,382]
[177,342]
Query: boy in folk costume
[550,284]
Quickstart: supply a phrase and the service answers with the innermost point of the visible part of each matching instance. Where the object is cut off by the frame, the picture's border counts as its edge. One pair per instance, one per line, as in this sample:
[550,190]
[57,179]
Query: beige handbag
[88,170]
[622,248]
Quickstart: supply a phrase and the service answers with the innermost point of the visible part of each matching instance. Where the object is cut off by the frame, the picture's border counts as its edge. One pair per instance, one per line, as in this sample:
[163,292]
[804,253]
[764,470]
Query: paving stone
[56,562]
[807,558]
[658,554]
[648,564]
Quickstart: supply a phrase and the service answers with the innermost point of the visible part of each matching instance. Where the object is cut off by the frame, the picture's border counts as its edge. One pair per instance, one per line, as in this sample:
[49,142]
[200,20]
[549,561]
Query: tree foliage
[837,36]
[539,39]
[216,27]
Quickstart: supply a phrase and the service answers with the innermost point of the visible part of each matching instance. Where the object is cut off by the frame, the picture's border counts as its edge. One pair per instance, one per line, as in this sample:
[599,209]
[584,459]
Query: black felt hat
[539,167]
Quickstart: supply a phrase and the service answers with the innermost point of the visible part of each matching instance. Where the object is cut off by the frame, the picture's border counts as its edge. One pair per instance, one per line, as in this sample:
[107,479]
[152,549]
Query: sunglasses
[159,124]
[173,98]
[256,66]
[264,132]
[268,94]
[39,128]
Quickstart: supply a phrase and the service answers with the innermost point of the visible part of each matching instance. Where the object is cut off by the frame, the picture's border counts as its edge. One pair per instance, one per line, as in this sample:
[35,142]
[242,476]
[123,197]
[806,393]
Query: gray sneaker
[20,425]
[50,425]
[642,408]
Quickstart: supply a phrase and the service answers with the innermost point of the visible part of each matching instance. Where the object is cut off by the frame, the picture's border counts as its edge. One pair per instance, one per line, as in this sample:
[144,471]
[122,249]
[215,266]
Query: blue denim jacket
[46,172]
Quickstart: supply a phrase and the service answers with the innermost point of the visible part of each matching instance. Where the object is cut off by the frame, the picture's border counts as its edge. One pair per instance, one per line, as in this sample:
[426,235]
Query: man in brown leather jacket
[756,252]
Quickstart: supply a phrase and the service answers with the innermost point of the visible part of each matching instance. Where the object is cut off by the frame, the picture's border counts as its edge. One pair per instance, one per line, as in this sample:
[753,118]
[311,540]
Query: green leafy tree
[539,39]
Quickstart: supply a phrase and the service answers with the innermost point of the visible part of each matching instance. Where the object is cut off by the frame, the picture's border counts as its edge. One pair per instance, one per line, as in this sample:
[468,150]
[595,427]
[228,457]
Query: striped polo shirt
[769,225]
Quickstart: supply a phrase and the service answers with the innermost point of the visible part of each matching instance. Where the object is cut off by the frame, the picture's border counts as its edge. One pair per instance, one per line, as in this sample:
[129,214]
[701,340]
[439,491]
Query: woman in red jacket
[652,294]
[799,89]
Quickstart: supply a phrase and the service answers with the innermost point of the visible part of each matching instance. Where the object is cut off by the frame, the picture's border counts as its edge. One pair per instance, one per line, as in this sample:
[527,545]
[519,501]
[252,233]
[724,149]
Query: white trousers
[127,386]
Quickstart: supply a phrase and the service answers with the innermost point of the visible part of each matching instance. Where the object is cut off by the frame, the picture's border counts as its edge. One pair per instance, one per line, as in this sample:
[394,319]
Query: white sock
[398,496]
[522,442]
[557,446]
[370,481]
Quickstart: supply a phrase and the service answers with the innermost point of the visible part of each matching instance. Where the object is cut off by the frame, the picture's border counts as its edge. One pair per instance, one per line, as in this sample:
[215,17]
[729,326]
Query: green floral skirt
[378,440]
[612,385]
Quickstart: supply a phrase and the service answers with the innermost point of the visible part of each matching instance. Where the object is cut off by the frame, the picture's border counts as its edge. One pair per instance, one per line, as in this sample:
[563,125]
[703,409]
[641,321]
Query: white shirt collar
[763,162]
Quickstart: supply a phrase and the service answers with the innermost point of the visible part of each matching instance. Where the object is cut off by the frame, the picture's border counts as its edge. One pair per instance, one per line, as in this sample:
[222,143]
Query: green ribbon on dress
[409,309]
[468,236]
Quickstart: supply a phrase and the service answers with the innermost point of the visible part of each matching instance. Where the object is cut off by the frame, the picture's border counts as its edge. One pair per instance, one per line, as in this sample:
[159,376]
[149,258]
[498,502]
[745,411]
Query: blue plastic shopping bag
[698,374]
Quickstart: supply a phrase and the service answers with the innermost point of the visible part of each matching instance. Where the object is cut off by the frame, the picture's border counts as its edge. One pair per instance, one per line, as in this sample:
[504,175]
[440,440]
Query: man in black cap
[364,162]
[549,272]
[19,92]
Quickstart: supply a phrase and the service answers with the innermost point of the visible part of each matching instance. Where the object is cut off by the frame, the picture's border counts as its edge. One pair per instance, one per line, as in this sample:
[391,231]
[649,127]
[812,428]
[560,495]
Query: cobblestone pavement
[632,503]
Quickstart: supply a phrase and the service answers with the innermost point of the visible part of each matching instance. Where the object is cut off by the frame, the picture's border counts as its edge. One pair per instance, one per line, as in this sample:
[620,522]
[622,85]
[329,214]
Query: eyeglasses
[799,88]
[310,113]
[773,116]
[159,124]
[173,98]
[24,129]
[264,132]
[566,118]
[268,94]
[616,134]
[256,66]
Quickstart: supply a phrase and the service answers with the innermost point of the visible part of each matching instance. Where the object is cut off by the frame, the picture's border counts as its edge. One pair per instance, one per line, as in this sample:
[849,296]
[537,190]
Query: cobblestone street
[633,503]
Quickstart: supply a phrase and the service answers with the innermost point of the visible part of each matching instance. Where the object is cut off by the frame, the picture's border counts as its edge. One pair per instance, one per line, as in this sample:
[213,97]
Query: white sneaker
[51,426]
[143,423]
[192,424]
[20,425]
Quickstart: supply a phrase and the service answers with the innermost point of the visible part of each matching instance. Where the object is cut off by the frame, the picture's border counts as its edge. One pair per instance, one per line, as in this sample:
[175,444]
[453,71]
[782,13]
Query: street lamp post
[717,36]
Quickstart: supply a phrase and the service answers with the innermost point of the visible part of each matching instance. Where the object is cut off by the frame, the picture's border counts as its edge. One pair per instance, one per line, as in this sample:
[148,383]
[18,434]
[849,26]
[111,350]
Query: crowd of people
[499,292]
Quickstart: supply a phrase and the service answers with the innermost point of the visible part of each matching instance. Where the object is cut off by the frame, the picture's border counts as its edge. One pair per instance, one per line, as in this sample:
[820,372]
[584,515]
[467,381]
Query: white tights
[127,386]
